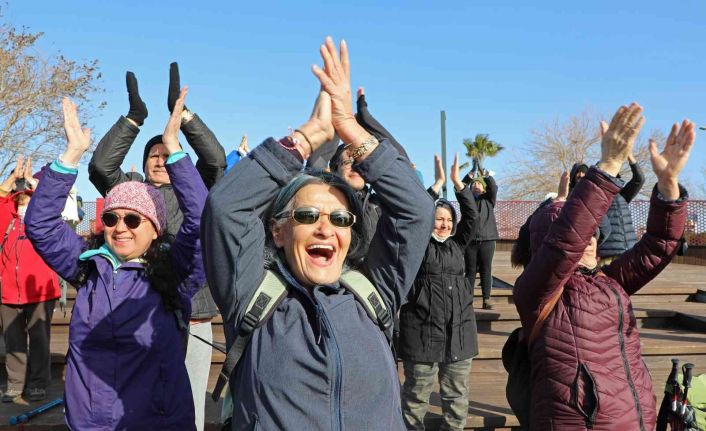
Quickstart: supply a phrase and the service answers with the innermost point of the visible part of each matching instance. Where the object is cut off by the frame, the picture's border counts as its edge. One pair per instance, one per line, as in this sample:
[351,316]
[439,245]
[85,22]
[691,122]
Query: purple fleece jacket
[125,365]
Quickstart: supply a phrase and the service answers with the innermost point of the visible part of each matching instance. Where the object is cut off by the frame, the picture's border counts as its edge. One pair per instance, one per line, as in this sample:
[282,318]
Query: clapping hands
[138,109]
[619,137]
[669,163]
[563,189]
[456,175]
[170,137]
[78,138]
[439,174]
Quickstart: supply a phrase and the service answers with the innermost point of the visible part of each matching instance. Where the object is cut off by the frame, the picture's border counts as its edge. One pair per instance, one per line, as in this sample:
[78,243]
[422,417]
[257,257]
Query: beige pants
[453,385]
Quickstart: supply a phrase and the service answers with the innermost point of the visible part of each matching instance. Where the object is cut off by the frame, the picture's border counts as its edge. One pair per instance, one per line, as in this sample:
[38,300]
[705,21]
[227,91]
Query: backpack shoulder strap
[367,294]
[543,314]
[271,291]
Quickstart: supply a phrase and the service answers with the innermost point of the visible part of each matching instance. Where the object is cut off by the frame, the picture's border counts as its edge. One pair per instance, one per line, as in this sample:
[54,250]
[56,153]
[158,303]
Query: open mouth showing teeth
[320,251]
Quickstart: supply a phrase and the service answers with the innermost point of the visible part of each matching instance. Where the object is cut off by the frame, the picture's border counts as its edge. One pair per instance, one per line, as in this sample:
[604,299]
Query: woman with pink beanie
[125,365]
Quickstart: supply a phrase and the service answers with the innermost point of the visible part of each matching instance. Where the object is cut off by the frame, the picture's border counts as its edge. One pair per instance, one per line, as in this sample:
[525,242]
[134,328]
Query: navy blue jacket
[319,362]
[622,236]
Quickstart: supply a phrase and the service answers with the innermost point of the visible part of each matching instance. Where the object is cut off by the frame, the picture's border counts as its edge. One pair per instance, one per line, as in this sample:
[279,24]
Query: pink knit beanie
[140,197]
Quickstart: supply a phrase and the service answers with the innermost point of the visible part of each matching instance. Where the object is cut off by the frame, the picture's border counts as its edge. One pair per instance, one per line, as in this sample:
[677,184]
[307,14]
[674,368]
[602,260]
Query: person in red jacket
[587,369]
[29,292]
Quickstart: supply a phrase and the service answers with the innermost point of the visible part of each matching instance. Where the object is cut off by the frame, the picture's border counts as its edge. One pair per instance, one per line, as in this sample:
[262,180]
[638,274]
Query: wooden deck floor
[659,308]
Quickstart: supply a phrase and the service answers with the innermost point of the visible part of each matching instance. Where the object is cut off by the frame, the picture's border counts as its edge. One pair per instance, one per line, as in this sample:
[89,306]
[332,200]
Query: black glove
[138,109]
[174,86]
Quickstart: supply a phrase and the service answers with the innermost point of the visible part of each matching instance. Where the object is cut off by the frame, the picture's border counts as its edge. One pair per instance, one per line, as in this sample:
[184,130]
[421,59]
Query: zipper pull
[115,272]
[319,320]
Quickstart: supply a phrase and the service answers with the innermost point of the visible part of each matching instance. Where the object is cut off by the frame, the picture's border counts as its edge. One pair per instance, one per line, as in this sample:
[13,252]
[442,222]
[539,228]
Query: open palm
[668,164]
[78,138]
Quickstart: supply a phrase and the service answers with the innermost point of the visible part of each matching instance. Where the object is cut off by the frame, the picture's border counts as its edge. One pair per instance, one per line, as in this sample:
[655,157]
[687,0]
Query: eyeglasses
[132,220]
[310,215]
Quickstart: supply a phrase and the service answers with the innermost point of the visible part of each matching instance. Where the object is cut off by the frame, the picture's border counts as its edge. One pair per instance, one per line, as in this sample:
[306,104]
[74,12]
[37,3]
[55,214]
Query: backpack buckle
[252,317]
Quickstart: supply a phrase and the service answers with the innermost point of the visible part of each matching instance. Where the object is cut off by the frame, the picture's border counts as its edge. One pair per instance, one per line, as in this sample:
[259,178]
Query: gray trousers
[453,385]
[28,365]
[198,365]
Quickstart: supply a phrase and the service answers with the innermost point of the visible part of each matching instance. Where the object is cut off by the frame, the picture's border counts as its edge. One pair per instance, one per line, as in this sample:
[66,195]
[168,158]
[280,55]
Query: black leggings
[479,259]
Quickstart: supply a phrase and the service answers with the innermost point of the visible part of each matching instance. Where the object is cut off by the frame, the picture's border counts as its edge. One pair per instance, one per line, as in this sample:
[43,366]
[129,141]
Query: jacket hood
[540,223]
[542,219]
[443,203]
[578,167]
[148,146]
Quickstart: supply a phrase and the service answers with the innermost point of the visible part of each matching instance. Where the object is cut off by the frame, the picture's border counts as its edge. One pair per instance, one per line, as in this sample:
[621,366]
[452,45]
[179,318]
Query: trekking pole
[687,370]
[26,416]
[672,380]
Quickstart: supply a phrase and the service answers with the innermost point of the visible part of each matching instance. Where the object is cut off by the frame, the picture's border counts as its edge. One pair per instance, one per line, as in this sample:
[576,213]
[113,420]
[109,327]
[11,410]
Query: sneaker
[36,394]
[487,304]
[11,395]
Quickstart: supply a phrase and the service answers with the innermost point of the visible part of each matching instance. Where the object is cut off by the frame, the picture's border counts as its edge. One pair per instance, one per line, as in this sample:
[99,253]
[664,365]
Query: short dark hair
[286,195]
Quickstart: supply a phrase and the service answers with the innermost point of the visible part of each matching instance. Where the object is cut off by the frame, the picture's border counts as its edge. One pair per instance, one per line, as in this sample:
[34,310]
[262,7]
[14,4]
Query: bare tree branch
[555,146]
[31,88]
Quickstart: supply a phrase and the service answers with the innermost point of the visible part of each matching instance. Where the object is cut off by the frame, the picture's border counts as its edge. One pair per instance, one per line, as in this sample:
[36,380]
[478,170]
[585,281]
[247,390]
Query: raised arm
[466,227]
[104,168]
[191,195]
[569,235]
[406,221]
[7,204]
[633,187]
[373,126]
[667,217]
[232,230]
[407,210]
[211,162]
[439,178]
[491,191]
[52,238]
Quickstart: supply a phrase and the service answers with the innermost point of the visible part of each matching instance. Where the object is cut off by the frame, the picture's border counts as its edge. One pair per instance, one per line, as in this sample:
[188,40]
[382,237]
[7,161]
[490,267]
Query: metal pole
[443,147]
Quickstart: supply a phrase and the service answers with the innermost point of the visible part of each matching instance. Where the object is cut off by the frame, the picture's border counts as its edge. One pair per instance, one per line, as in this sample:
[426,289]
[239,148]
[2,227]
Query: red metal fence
[510,215]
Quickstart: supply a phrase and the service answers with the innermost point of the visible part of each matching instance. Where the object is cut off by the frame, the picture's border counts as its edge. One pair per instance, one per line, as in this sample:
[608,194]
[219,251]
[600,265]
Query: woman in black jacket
[438,332]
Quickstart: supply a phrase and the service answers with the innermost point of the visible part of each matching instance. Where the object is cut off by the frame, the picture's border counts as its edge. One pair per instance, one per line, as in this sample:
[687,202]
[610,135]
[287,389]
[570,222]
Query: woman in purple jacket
[587,369]
[125,365]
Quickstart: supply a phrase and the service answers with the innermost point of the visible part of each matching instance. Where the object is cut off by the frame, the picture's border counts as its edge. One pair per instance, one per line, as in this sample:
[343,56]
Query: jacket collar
[105,252]
[284,271]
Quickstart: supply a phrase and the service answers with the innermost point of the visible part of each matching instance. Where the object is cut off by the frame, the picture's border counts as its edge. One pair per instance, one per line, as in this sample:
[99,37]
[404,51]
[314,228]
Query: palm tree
[478,149]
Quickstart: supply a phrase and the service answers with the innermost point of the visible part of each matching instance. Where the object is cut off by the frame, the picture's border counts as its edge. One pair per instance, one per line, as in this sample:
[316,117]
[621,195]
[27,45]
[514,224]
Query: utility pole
[443,147]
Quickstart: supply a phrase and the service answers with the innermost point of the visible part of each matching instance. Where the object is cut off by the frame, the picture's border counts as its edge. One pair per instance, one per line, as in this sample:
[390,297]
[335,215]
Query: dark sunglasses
[132,220]
[310,215]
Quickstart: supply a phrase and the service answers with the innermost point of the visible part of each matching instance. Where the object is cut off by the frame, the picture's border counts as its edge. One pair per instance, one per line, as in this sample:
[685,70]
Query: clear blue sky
[496,67]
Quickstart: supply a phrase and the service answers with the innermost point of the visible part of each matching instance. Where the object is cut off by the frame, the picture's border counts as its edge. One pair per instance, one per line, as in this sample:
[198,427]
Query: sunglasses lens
[132,221]
[306,215]
[110,219]
[341,218]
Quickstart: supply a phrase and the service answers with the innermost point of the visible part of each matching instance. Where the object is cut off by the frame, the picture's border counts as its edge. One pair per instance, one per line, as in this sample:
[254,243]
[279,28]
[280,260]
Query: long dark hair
[159,269]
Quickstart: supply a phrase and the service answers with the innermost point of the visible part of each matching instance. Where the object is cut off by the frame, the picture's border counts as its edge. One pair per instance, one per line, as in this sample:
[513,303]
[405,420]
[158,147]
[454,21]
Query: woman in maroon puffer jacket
[587,369]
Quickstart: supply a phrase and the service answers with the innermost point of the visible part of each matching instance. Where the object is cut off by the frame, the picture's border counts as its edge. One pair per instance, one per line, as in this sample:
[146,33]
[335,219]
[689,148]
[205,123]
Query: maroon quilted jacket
[587,369]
